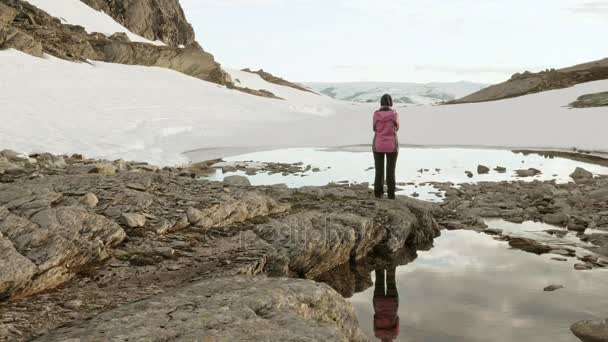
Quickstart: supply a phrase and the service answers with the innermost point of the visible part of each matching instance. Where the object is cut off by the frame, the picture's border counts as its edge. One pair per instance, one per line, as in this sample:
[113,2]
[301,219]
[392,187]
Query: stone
[134,220]
[469,174]
[89,200]
[529,245]
[106,169]
[194,215]
[11,155]
[591,331]
[531,172]
[581,174]
[500,169]
[227,309]
[74,304]
[552,288]
[599,194]
[482,169]
[558,219]
[237,181]
[562,252]
[559,259]
[583,267]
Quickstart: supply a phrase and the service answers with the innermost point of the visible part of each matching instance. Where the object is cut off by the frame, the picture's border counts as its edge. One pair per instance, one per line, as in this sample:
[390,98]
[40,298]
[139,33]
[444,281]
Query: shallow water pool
[415,167]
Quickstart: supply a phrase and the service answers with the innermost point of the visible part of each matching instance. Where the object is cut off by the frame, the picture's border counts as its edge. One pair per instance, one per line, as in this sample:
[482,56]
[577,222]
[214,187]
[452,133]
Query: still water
[469,287]
[415,165]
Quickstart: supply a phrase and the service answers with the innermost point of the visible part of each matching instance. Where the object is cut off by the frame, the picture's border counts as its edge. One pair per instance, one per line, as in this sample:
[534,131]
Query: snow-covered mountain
[403,93]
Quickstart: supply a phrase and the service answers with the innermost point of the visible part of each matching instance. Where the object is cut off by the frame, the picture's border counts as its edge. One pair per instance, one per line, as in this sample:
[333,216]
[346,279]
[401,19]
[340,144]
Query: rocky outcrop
[591,100]
[227,309]
[268,77]
[530,83]
[162,20]
[126,231]
[26,28]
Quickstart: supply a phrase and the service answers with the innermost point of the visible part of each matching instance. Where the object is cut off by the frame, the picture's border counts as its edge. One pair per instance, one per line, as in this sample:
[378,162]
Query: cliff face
[530,83]
[162,20]
[29,29]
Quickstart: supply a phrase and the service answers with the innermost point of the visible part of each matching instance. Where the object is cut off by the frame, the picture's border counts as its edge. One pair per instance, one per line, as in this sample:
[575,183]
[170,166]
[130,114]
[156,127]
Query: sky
[400,40]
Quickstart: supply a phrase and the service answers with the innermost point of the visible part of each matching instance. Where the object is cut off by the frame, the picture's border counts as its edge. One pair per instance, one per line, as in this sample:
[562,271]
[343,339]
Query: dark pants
[386,287]
[391,164]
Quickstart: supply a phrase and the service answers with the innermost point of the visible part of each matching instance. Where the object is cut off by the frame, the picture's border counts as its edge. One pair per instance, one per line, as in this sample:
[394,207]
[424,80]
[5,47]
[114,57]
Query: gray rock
[227,309]
[559,259]
[134,220]
[531,172]
[194,215]
[599,194]
[49,248]
[89,200]
[106,169]
[581,174]
[552,288]
[237,181]
[121,37]
[558,219]
[482,169]
[469,174]
[7,15]
[500,169]
[591,331]
[583,267]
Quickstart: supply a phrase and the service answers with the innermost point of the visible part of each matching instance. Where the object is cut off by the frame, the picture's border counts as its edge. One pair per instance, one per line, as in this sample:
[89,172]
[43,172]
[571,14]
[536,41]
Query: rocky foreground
[119,250]
[116,250]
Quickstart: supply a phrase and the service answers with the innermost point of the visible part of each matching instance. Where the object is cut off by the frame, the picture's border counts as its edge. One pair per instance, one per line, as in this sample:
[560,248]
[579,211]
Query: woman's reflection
[386,306]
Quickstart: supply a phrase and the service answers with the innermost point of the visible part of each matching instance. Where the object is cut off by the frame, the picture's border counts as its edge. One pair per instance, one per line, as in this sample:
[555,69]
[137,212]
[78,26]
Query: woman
[386,125]
[386,306]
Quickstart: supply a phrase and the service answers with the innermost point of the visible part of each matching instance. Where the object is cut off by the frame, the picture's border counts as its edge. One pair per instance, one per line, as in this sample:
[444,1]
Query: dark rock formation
[26,28]
[268,77]
[591,100]
[529,83]
[162,20]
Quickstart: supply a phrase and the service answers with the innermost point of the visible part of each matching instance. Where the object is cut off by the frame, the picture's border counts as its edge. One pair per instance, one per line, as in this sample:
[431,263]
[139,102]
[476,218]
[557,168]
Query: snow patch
[152,114]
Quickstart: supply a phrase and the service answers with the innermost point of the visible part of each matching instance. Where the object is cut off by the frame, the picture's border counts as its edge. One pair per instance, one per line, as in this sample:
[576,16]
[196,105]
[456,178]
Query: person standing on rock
[385,146]
[386,305]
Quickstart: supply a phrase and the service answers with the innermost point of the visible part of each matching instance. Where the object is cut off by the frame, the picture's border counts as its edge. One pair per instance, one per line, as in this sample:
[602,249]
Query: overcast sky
[400,40]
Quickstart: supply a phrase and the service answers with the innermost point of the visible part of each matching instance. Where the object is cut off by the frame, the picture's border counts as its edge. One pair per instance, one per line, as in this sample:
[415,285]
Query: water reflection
[386,305]
[470,287]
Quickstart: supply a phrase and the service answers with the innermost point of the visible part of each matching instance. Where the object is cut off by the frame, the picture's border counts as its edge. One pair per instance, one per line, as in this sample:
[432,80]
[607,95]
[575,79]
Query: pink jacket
[386,125]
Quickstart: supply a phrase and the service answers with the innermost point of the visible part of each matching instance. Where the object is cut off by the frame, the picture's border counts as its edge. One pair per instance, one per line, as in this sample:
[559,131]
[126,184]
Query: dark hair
[386,101]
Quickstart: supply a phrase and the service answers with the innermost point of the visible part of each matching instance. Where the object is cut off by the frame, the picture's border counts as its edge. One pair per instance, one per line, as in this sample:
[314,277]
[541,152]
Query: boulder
[558,219]
[89,200]
[237,181]
[226,309]
[500,169]
[121,37]
[106,169]
[134,220]
[530,246]
[591,331]
[482,169]
[552,288]
[49,248]
[581,174]
[599,194]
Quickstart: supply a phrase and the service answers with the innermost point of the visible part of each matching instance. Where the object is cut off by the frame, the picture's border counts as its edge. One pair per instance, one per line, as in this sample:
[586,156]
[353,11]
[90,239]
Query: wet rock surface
[153,233]
[591,331]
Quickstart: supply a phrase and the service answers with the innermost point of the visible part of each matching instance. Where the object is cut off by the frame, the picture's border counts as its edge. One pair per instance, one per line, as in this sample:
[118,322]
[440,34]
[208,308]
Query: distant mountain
[402,93]
[550,79]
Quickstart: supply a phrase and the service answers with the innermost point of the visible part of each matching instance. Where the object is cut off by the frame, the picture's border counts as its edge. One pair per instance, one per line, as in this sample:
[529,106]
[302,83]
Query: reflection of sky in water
[470,287]
[453,162]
